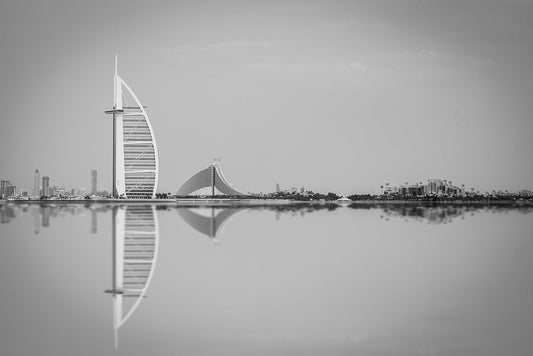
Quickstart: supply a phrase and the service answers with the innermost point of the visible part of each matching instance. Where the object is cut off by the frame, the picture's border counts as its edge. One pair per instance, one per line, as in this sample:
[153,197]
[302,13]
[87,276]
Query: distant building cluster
[292,190]
[43,189]
[435,187]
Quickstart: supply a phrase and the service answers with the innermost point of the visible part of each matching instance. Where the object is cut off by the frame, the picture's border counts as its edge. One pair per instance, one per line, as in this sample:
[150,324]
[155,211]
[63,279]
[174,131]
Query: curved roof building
[210,177]
[135,159]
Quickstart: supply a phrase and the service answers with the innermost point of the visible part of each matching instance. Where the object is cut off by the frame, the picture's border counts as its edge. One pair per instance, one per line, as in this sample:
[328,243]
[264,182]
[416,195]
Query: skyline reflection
[209,220]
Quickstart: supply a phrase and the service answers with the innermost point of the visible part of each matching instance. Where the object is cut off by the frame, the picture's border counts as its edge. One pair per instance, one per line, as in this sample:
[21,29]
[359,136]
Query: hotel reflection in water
[135,234]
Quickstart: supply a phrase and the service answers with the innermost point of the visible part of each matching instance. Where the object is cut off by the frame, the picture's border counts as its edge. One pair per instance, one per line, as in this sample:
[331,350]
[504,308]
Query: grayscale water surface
[389,280]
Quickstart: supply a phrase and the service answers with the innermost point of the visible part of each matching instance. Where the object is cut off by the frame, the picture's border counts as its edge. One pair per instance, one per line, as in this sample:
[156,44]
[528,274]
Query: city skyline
[338,96]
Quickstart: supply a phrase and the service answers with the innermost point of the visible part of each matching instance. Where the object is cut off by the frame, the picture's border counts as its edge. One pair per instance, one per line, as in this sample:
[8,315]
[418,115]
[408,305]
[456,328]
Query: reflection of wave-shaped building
[208,221]
[135,160]
[209,181]
[135,242]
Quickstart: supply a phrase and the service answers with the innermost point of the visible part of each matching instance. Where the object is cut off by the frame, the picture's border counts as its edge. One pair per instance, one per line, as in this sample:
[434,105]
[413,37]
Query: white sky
[334,95]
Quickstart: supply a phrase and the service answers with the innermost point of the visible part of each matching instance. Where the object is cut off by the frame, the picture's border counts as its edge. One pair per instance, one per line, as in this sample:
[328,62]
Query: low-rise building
[434,187]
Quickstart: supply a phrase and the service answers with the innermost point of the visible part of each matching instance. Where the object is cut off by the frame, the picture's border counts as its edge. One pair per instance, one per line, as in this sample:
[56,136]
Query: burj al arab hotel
[135,159]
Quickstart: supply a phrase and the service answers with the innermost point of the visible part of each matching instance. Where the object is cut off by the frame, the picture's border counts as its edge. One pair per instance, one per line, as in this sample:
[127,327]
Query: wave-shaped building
[209,181]
[135,158]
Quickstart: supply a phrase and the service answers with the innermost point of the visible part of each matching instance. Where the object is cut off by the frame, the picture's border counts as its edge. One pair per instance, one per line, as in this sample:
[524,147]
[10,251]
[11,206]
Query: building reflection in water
[43,214]
[439,213]
[36,220]
[208,221]
[6,214]
[430,214]
[94,222]
[135,235]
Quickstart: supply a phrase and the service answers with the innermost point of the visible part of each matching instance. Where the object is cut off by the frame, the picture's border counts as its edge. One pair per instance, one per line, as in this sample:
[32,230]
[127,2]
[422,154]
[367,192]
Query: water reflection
[44,213]
[327,288]
[135,235]
[438,214]
[6,214]
[208,221]
[94,221]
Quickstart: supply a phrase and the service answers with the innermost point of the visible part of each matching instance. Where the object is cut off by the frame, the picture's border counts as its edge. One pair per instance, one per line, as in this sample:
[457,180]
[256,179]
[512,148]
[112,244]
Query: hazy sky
[334,95]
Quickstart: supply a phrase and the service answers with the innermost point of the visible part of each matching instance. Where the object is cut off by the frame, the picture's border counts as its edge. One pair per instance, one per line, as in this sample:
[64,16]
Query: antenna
[116,64]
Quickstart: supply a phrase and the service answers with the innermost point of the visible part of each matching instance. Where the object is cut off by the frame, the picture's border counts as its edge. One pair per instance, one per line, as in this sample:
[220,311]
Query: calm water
[143,279]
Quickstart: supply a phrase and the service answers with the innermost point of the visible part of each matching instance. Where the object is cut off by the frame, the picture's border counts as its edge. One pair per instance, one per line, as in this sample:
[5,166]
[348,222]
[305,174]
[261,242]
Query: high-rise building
[93,181]
[36,184]
[278,188]
[135,160]
[11,191]
[3,186]
[46,186]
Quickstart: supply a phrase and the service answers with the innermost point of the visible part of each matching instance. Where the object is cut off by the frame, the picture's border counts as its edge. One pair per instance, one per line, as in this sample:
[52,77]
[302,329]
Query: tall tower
[36,184]
[46,186]
[93,181]
[135,159]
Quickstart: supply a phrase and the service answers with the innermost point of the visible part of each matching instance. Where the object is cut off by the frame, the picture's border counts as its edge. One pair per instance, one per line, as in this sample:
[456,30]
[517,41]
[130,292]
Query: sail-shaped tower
[135,159]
